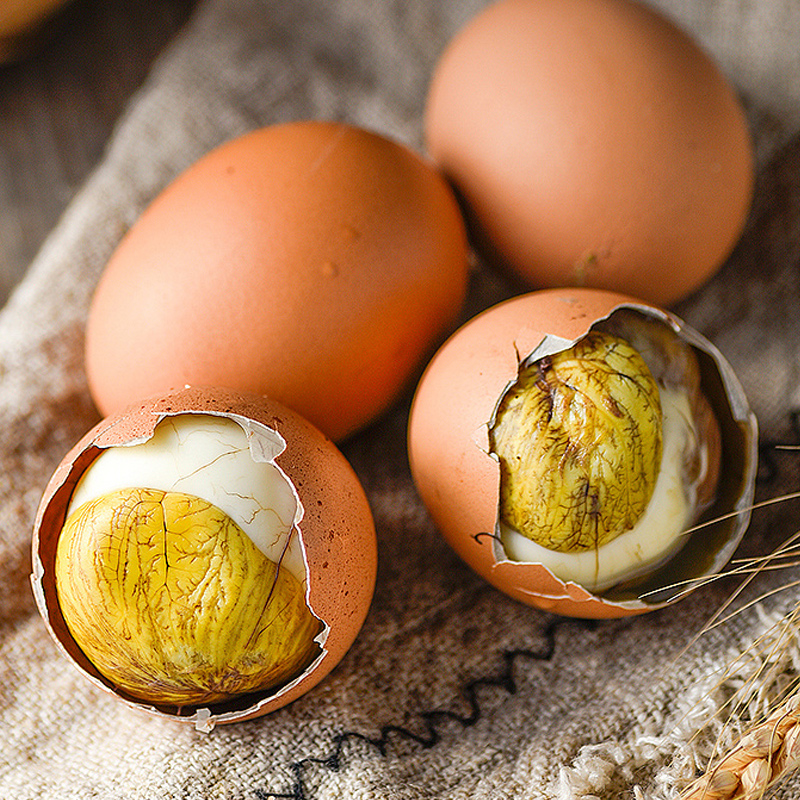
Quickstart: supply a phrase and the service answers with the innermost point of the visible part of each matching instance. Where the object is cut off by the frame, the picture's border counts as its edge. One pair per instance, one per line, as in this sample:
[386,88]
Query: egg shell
[457,479]
[594,144]
[337,531]
[315,262]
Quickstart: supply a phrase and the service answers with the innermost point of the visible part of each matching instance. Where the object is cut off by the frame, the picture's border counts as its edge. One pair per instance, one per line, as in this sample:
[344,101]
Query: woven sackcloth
[452,690]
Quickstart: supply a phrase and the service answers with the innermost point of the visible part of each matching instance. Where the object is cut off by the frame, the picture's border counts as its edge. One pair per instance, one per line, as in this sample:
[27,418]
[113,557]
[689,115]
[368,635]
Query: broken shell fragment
[575,448]
[205,555]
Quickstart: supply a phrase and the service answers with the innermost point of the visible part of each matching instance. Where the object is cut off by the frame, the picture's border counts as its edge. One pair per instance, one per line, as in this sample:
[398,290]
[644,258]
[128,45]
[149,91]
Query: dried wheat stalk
[764,755]
[770,750]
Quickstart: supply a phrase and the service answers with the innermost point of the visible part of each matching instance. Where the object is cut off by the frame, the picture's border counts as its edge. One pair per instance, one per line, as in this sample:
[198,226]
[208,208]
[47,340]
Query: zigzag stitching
[504,680]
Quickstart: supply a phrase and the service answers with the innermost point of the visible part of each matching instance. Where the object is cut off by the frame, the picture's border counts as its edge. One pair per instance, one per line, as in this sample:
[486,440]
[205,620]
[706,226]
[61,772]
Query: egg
[314,262]
[204,555]
[593,144]
[567,442]
[20,22]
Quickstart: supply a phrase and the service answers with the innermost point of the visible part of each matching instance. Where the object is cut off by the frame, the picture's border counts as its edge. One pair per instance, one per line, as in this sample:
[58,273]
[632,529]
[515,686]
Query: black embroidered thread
[504,680]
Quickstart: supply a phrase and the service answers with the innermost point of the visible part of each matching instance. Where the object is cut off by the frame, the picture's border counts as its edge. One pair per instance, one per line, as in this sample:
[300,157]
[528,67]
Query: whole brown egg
[594,144]
[314,262]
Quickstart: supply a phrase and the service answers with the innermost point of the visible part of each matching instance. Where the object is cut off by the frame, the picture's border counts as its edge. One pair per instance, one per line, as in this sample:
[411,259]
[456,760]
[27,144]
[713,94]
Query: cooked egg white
[215,459]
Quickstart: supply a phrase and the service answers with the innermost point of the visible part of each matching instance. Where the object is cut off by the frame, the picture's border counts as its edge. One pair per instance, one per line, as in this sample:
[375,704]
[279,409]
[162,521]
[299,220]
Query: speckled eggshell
[315,262]
[594,144]
[448,439]
[337,531]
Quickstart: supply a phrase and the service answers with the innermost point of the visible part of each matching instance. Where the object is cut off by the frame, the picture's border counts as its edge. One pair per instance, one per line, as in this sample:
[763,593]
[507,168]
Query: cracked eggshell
[448,440]
[314,262]
[336,529]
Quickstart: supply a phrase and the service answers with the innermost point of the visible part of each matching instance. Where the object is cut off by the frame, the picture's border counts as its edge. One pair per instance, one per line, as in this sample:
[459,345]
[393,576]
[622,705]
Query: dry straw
[764,755]
[769,749]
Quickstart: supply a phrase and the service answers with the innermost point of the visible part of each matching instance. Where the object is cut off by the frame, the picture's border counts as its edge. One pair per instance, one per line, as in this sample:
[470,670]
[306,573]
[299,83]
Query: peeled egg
[314,262]
[593,144]
[204,555]
[585,452]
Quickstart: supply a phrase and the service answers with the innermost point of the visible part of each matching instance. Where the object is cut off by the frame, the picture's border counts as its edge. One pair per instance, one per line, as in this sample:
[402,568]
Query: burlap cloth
[452,690]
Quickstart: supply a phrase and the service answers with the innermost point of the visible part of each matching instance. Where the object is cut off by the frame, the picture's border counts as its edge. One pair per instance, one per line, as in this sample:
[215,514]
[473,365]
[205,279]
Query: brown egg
[594,144]
[457,468]
[20,22]
[313,262]
[327,543]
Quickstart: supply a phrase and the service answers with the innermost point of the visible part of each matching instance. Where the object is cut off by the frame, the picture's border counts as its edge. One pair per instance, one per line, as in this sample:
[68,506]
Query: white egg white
[214,458]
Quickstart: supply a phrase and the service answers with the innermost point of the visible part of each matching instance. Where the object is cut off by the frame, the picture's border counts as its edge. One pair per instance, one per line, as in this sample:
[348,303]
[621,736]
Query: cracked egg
[585,452]
[204,555]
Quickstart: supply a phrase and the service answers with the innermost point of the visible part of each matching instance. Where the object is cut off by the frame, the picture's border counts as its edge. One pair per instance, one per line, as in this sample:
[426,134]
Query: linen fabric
[452,690]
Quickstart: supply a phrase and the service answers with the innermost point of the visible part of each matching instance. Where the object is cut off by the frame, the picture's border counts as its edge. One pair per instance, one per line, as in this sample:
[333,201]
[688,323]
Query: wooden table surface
[58,106]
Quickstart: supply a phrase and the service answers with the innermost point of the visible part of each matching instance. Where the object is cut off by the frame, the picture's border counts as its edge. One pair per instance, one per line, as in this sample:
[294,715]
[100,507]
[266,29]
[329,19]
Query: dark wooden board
[58,105]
